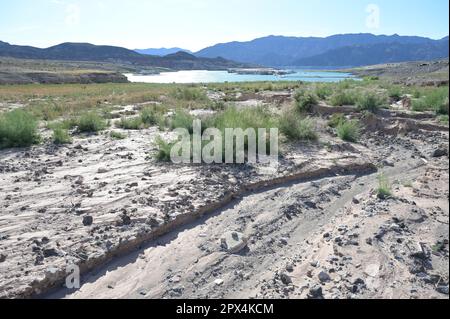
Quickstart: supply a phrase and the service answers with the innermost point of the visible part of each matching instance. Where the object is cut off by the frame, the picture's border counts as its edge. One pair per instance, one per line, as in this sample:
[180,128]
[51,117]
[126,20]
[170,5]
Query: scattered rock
[88,220]
[315,292]
[442,289]
[324,277]
[439,152]
[285,279]
[233,242]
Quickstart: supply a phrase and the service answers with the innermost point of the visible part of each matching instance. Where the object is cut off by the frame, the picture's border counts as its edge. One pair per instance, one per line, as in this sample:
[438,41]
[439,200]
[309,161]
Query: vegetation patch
[384,187]
[305,100]
[349,130]
[61,136]
[297,127]
[91,122]
[18,128]
[370,102]
[117,135]
[342,98]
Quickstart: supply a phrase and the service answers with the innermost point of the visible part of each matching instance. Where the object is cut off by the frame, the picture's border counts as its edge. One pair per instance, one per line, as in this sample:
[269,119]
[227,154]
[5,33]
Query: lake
[223,76]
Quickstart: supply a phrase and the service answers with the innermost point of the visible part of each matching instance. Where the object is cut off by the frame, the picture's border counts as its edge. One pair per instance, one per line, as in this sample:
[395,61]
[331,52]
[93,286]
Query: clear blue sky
[195,24]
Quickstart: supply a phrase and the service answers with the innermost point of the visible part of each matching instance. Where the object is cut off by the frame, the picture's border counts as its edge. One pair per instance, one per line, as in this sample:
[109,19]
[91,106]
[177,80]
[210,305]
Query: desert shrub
[182,119]
[18,129]
[91,122]
[117,135]
[349,130]
[133,123]
[384,188]
[151,116]
[395,93]
[61,136]
[304,100]
[323,91]
[297,127]
[370,102]
[435,100]
[164,149]
[189,94]
[343,97]
[336,119]
[443,119]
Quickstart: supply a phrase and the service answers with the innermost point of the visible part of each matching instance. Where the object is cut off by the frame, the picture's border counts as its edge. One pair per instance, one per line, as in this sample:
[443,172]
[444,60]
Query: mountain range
[346,50]
[161,51]
[101,53]
[337,50]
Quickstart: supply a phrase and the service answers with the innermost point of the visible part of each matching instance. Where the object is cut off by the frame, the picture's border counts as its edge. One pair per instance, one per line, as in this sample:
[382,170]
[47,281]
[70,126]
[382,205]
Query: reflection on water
[224,76]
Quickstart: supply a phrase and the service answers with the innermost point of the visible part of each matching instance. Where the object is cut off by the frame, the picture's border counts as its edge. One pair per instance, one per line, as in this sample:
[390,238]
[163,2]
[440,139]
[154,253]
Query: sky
[195,24]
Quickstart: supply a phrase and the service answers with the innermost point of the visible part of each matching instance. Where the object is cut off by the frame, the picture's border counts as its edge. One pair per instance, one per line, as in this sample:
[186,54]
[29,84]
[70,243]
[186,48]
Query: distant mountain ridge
[290,51]
[103,53]
[361,55]
[161,51]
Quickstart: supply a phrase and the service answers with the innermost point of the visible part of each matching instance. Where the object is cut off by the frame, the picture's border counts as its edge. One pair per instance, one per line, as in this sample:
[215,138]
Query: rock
[440,152]
[289,268]
[315,292]
[372,270]
[442,290]
[324,277]
[283,241]
[355,200]
[218,282]
[2,257]
[233,242]
[50,252]
[285,279]
[123,220]
[102,170]
[88,220]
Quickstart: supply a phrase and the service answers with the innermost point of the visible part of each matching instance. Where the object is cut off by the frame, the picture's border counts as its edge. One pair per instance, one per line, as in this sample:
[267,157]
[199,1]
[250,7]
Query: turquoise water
[224,76]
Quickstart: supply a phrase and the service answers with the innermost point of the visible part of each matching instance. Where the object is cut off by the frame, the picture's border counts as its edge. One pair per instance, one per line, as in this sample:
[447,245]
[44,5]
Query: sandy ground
[314,229]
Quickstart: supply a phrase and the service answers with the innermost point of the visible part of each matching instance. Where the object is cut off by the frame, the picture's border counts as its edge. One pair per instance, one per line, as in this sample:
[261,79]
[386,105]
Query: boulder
[233,242]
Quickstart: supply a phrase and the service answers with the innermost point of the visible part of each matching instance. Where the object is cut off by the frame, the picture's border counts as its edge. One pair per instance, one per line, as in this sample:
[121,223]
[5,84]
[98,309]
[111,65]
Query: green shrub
[435,100]
[117,135]
[182,119]
[370,102]
[18,129]
[134,123]
[323,91]
[61,136]
[305,101]
[395,93]
[349,131]
[443,119]
[296,127]
[342,98]
[91,122]
[189,94]
[384,188]
[336,119]
[164,149]
[151,116]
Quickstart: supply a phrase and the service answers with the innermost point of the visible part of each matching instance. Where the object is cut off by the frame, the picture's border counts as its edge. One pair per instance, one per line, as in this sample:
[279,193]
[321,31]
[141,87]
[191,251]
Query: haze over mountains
[337,50]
